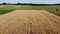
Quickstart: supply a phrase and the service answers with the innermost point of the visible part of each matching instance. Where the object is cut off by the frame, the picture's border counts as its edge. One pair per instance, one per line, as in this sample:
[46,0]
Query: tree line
[28,4]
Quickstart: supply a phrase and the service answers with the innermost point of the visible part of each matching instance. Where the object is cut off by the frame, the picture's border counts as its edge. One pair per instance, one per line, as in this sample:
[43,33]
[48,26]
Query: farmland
[8,8]
[25,19]
[29,22]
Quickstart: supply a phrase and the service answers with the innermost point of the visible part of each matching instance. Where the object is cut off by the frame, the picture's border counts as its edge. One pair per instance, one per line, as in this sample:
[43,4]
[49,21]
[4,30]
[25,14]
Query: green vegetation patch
[4,11]
[8,8]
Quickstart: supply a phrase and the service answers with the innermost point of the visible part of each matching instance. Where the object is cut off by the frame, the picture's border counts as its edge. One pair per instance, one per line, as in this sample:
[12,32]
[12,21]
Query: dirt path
[29,22]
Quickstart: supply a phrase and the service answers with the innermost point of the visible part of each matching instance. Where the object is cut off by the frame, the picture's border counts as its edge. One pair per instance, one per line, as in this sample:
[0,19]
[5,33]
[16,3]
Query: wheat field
[29,22]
